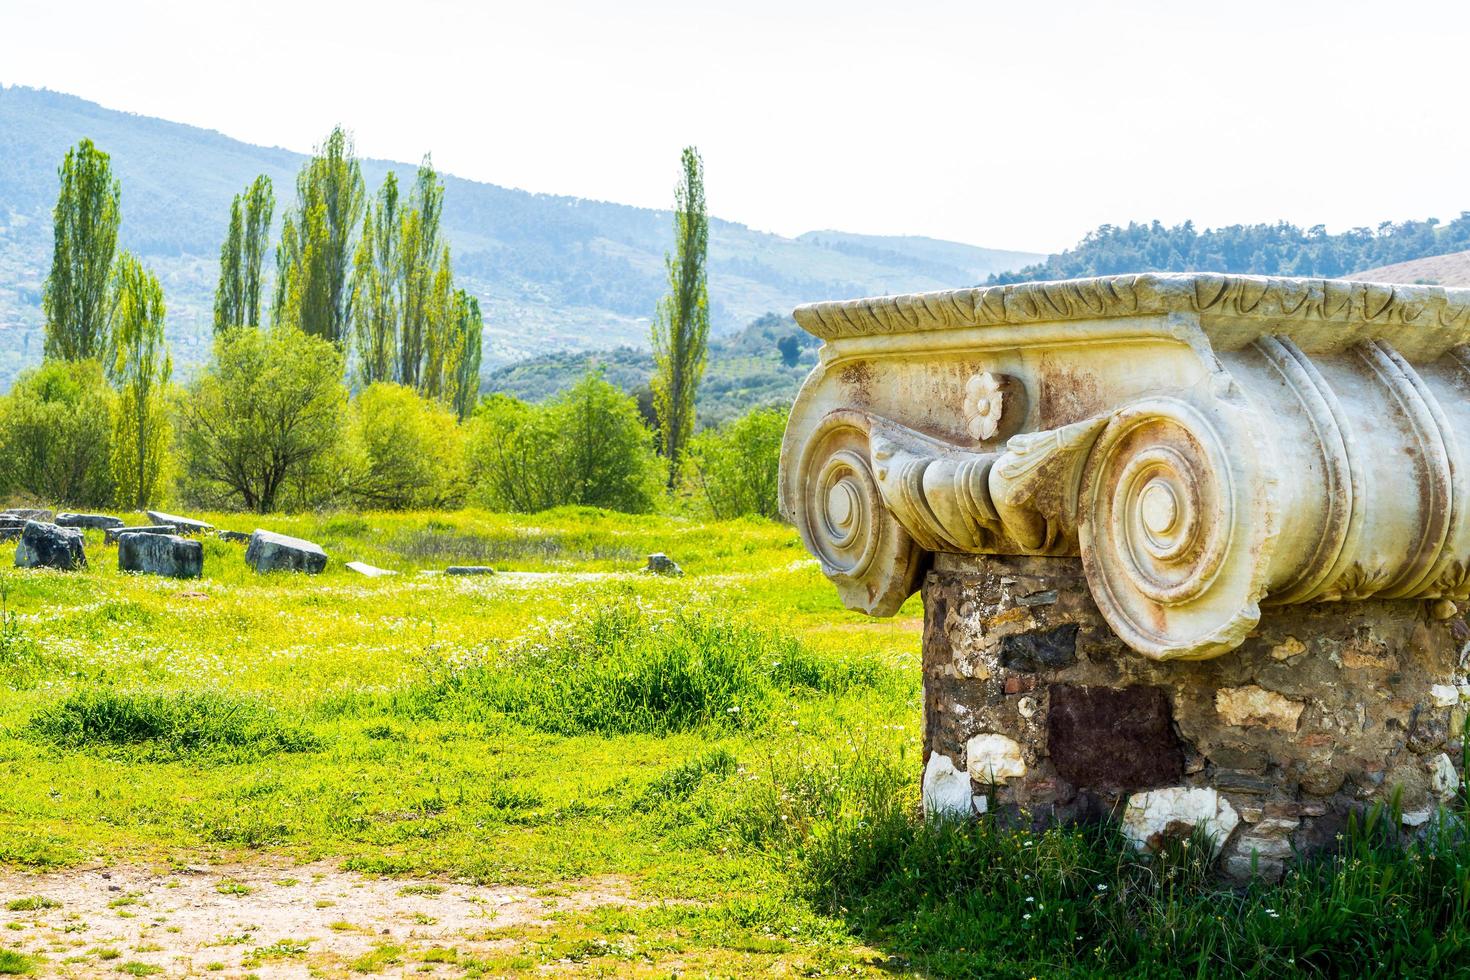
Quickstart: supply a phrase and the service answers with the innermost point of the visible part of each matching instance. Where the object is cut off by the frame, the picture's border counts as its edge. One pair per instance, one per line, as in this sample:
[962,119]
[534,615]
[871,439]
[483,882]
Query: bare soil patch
[271,920]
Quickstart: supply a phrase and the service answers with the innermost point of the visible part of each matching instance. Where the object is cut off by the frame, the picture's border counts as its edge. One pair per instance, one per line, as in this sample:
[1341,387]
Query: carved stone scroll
[1205,444]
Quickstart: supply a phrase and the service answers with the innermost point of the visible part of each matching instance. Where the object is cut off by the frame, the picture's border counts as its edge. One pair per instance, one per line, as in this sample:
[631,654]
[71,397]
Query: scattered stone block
[111,535]
[160,554]
[661,564]
[946,789]
[272,552]
[93,522]
[363,568]
[1158,815]
[469,570]
[28,514]
[234,537]
[45,545]
[185,525]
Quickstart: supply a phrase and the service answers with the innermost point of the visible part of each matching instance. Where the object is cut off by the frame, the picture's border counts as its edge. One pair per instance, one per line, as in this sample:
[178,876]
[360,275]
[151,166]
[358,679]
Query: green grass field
[732,746]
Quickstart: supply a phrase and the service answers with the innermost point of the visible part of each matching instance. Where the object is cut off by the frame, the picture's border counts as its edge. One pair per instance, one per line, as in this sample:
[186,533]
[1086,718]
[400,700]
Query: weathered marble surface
[1036,711]
[160,554]
[1206,444]
[44,545]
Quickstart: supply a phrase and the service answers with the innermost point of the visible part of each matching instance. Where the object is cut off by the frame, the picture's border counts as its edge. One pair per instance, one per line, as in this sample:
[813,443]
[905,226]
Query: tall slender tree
[681,327]
[237,297]
[422,252]
[470,328]
[314,260]
[86,220]
[139,368]
[375,287]
[439,339]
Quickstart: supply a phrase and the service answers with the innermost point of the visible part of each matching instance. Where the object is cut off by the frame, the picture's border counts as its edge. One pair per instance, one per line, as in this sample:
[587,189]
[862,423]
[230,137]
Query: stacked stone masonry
[1031,696]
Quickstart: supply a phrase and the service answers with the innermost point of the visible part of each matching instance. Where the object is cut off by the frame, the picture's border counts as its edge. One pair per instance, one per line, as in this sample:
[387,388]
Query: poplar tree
[86,221]
[139,368]
[439,341]
[375,287]
[314,260]
[681,327]
[470,328]
[422,255]
[237,297]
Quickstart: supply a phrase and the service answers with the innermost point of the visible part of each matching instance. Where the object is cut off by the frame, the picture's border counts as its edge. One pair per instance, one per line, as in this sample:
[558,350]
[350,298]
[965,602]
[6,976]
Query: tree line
[1263,249]
[363,386]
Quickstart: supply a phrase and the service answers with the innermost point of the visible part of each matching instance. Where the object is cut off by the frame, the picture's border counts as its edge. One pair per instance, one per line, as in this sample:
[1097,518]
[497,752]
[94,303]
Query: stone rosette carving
[1205,443]
[984,402]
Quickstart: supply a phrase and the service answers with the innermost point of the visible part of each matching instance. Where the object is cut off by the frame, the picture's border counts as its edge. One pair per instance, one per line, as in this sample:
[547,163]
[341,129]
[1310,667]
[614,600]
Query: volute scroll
[1172,547]
[1204,444]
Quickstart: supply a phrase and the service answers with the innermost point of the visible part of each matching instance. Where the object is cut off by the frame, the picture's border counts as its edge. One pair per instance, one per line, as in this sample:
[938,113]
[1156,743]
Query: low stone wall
[1035,709]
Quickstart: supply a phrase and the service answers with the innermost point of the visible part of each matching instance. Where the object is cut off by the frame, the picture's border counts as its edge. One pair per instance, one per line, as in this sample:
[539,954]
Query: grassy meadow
[734,747]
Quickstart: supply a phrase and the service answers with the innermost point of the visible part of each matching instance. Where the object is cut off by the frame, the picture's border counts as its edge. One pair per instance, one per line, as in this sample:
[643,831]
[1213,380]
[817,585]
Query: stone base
[1036,710]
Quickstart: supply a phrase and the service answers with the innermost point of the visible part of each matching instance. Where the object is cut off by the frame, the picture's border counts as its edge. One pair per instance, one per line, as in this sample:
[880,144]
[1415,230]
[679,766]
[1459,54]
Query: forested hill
[1279,249]
[552,272]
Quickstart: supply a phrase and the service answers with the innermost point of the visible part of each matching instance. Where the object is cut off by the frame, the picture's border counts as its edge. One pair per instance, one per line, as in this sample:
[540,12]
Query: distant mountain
[1277,249]
[923,256]
[552,273]
[748,369]
[1436,270]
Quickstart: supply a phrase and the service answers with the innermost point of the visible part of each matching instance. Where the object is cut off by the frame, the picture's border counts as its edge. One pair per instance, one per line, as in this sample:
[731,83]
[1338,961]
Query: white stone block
[946,789]
[992,758]
[1173,813]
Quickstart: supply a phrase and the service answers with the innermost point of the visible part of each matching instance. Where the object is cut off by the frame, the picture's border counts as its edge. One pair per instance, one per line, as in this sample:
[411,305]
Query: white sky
[1009,125]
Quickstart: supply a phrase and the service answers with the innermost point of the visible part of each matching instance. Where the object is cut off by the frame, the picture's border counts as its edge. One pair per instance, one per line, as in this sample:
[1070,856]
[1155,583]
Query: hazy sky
[1017,125]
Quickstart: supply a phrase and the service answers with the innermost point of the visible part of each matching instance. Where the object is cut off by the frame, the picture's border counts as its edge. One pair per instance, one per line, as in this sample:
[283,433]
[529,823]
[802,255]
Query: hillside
[1437,270]
[1265,249]
[745,370]
[552,272]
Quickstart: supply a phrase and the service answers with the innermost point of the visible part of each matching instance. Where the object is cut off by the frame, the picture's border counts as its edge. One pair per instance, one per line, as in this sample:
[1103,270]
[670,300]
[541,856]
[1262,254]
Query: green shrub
[735,469]
[405,450]
[623,668]
[262,426]
[56,433]
[588,447]
[168,723]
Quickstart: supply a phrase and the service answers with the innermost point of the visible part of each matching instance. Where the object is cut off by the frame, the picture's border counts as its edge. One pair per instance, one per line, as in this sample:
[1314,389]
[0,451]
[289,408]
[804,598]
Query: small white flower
[1102,888]
[1027,917]
[1030,899]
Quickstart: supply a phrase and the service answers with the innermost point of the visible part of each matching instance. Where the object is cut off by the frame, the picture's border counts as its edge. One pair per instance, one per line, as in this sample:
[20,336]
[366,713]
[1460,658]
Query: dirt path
[270,921]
